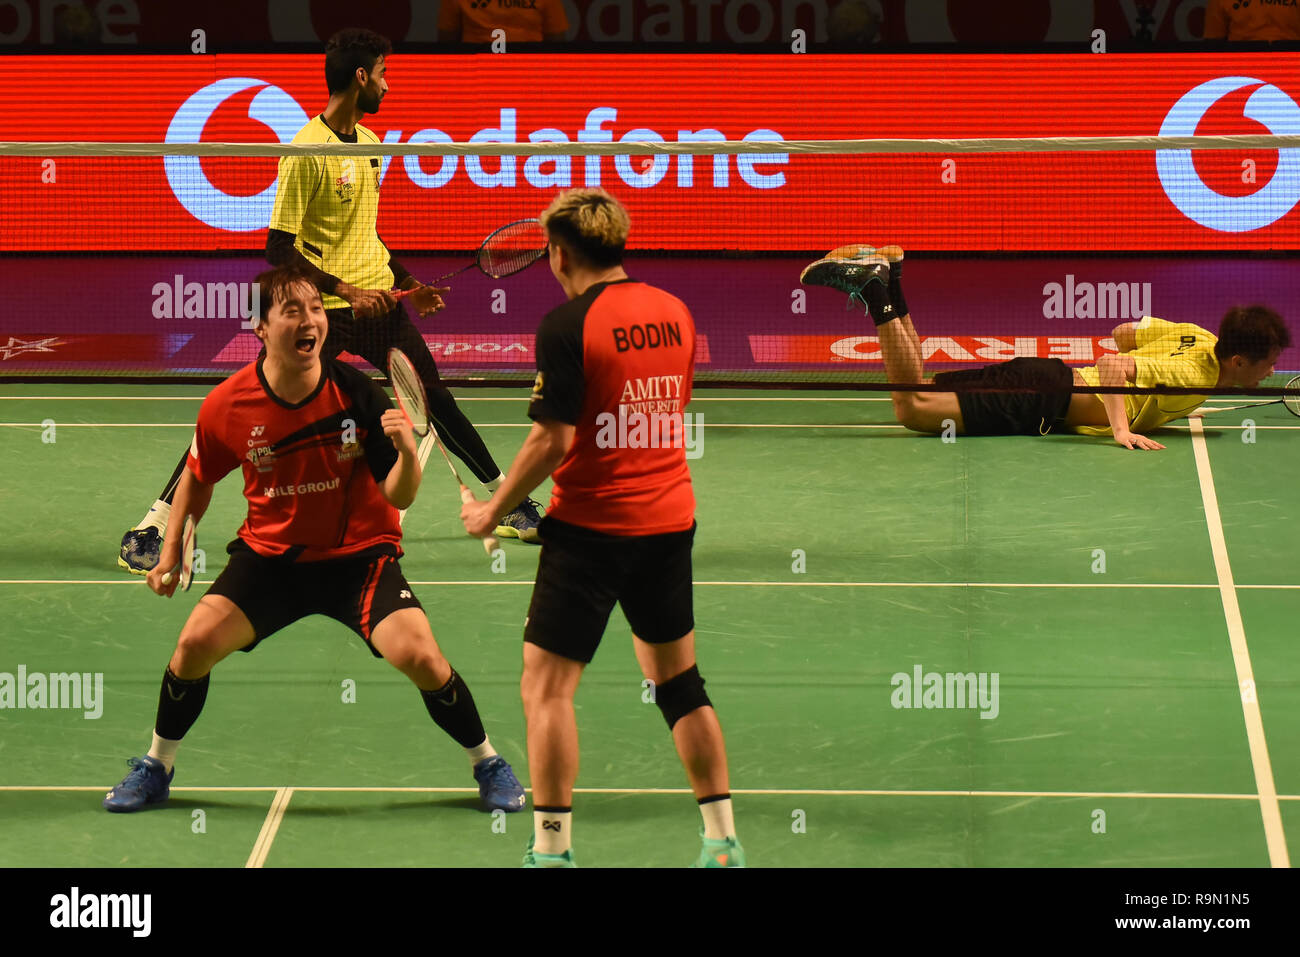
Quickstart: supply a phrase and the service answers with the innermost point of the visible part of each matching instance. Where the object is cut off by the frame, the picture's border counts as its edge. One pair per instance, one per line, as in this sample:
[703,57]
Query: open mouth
[306,345]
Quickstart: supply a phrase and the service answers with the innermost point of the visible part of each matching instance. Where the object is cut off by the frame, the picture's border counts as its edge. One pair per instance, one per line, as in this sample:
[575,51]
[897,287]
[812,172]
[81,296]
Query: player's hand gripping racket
[510,249]
[186,567]
[411,398]
[1291,401]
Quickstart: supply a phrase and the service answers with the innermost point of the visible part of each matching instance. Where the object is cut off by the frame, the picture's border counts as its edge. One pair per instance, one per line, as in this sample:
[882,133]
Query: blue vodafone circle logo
[236,214]
[1268,106]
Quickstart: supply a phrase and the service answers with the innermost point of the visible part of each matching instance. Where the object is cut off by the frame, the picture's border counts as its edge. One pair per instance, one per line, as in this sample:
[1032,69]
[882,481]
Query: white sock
[552,831]
[157,516]
[482,752]
[495,484]
[164,750]
[718,823]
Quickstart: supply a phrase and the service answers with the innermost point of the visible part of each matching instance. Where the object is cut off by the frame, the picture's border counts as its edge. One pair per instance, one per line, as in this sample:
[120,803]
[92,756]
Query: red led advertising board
[1138,201]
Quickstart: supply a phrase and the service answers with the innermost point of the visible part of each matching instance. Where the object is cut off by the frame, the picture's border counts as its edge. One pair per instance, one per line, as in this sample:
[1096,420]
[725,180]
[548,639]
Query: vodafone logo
[238,214]
[1268,106]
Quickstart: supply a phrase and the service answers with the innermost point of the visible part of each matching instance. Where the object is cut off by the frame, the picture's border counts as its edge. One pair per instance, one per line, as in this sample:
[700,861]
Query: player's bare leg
[547,688]
[873,275]
[406,641]
[214,629]
[697,735]
[679,693]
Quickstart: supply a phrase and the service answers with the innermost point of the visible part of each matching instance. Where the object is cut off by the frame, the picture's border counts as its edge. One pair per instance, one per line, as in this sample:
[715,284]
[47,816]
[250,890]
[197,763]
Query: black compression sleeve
[400,272]
[280,251]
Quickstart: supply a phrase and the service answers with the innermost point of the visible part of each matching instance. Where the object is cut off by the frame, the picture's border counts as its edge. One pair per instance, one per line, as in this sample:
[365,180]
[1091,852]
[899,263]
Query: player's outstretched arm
[1114,371]
[403,479]
[192,498]
[547,444]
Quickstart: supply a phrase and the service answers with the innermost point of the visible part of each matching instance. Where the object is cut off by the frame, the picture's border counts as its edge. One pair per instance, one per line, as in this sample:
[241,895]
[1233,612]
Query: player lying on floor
[327,467]
[1152,352]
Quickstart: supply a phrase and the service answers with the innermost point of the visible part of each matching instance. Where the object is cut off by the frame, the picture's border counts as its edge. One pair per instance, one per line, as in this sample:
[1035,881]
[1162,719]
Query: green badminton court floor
[1137,610]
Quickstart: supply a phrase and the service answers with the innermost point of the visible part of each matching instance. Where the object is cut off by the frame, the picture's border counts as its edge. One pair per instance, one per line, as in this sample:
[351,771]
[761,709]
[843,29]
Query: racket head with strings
[409,390]
[512,248]
[187,556]
[508,250]
[1292,401]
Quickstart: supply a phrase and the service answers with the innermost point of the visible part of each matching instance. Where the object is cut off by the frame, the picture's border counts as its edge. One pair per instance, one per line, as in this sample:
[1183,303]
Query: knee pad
[679,696]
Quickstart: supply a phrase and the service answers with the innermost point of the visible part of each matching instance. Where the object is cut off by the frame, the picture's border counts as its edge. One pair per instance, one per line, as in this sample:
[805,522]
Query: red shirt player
[614,376]
[327,462]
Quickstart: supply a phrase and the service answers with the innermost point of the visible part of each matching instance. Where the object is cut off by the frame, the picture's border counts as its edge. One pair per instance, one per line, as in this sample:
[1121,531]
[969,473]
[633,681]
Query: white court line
[135,580]
[1268,806]
[801,792]
[272,824]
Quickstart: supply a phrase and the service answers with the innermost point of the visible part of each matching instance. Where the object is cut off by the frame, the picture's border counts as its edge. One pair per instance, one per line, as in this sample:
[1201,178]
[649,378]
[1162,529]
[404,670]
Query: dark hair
[350,50]
[273,286]
[1253,332]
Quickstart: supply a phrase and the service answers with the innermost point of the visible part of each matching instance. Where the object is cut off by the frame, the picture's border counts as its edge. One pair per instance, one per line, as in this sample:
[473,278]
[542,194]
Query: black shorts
[372,338]
[360,590]
[1013,413]
[582,573]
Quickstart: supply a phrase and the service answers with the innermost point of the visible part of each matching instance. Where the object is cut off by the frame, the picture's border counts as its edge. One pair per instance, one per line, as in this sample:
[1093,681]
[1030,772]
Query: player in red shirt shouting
[327,463]
[614,376]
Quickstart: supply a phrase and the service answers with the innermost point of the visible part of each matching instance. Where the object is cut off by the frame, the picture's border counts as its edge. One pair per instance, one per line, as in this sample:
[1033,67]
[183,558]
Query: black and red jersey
[616,363]
[311,469]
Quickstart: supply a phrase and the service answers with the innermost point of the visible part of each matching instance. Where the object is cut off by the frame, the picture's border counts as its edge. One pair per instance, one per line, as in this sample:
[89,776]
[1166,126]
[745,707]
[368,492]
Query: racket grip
[490,543]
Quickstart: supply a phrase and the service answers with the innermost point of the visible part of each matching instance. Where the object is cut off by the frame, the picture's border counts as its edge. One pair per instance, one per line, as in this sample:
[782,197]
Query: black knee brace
[679,696]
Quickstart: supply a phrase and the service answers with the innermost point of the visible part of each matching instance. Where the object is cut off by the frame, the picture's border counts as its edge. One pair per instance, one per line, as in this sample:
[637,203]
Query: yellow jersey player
[323,224]
[1152,353]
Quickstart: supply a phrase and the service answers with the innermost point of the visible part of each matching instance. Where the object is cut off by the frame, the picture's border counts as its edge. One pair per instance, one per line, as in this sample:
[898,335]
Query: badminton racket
[186,567]
[414,403]
[510,249]
[1291,401]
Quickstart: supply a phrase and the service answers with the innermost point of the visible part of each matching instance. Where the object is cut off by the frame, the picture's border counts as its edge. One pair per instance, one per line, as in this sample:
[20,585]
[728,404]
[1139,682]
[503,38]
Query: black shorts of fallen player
[1040,412]
[360,591]
[582,574]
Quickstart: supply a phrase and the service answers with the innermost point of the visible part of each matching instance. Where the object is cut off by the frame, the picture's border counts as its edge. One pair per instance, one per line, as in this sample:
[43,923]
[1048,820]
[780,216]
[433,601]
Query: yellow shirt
[1168,353]
[330,204]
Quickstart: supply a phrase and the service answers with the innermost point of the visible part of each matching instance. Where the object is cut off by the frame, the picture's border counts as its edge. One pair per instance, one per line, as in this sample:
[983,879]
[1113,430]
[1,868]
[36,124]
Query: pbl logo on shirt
[1268,106]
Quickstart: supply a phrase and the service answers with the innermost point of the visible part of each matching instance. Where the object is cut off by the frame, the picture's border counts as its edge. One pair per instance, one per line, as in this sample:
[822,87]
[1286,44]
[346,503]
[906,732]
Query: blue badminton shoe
[140,550]
[522,523]
[148,783]
[498,788]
